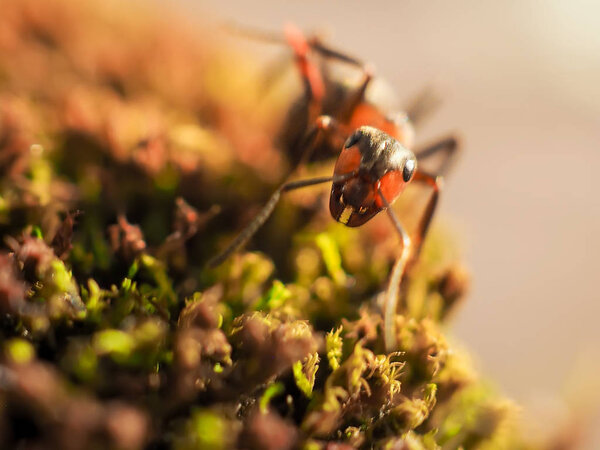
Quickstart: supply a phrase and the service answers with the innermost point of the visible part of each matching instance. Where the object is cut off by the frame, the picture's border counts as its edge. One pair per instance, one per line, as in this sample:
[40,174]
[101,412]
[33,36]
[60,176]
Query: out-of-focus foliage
[131,150]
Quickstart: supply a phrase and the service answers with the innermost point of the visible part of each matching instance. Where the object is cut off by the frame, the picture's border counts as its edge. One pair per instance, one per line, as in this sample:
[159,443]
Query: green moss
[304,374]
[118,344]
[332,258]
[19,351]
[273,390]
[334,344]
[205,430]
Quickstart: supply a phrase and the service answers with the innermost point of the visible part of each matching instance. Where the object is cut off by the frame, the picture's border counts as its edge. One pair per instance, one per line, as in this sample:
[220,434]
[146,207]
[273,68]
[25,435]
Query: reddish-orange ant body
[375,163]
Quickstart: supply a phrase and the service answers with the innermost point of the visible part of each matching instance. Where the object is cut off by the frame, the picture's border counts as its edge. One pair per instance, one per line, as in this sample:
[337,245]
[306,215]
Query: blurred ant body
[375,163]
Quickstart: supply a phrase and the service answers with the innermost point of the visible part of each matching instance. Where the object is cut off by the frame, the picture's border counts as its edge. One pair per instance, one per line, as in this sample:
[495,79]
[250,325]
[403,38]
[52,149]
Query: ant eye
[408,171]
[352,140]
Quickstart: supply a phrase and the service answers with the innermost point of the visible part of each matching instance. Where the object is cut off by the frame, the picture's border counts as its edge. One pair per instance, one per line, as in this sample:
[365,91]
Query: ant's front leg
[266,212]
[435,182]
[410,251]
[324,126]
[392,294]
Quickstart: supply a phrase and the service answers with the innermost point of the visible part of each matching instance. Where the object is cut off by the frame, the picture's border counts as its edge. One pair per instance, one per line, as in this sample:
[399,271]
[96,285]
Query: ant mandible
[374,166]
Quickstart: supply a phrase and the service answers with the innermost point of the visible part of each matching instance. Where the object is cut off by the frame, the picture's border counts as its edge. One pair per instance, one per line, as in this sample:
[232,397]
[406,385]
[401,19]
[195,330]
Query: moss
[19,351]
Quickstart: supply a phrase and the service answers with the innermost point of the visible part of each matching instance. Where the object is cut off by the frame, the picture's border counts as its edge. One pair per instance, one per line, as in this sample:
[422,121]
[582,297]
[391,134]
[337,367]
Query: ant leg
[293,36]
[328,52]
[265,213]
[435,182]
[448,146]
[422,105]
[357,97]
[314,42]
[322,127]
[274,69]
[314,76]
[392,294]
[314,84]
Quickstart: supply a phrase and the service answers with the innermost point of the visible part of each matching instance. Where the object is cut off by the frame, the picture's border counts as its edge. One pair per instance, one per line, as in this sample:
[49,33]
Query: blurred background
[519,82]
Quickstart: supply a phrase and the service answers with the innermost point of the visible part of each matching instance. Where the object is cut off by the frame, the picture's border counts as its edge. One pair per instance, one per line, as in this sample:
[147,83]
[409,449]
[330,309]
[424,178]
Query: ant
[375,163]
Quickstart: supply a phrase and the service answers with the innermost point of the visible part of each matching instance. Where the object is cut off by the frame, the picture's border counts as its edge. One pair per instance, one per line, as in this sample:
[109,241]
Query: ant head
[382,166]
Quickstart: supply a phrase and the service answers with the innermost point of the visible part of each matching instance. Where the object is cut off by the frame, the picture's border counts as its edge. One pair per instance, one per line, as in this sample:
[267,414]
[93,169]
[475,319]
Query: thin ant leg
[393,291]
[314,84]
[327,123]
[312,78]
[449,146]
[265,213]
[313,41]
[330,53]
[435,182]
[324,126]
[410,251]
[275,69]
[422,105]
[358,96]
[298,42]
[312,75]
